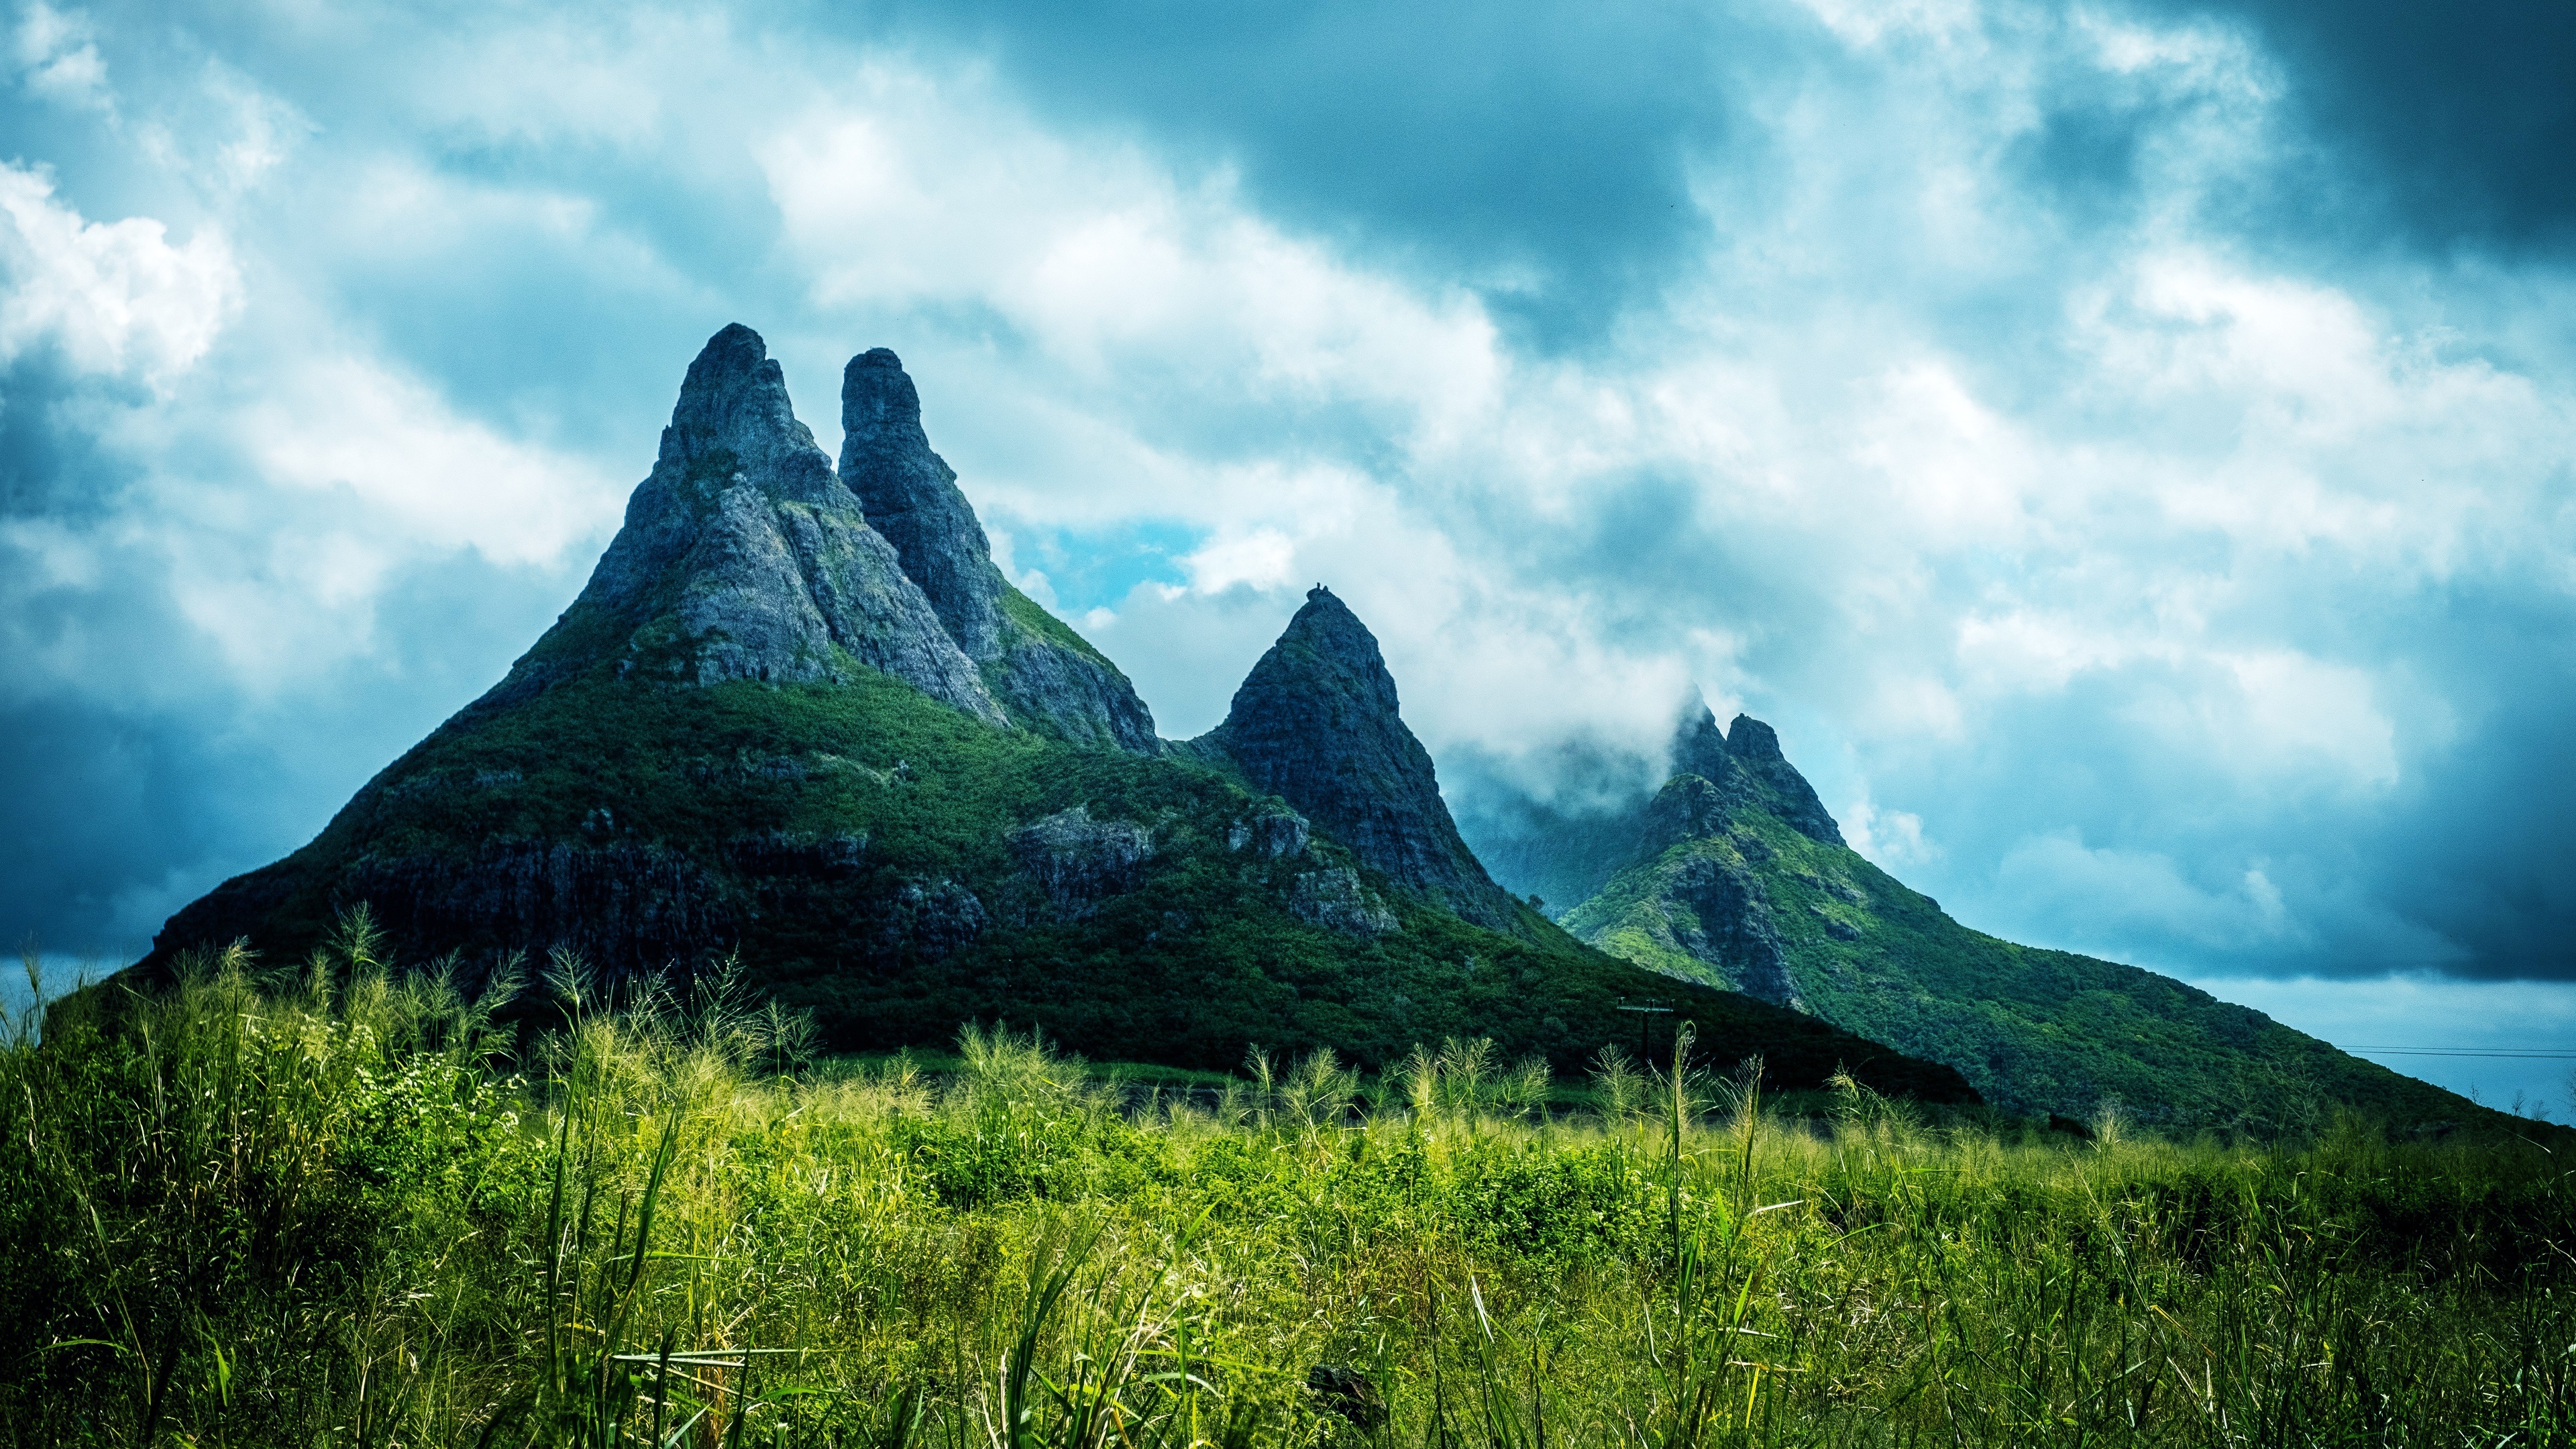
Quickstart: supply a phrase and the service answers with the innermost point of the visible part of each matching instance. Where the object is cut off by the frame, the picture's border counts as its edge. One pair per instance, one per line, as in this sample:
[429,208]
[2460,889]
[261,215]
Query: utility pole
[1646,1029]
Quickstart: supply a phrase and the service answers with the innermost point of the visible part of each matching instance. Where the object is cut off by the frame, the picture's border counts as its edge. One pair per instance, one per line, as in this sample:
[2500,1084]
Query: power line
[2512,1054]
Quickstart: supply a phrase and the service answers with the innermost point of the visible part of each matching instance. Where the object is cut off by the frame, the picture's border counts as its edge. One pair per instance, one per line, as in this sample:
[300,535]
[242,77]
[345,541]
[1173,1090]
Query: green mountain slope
[1732,876]
[910,802]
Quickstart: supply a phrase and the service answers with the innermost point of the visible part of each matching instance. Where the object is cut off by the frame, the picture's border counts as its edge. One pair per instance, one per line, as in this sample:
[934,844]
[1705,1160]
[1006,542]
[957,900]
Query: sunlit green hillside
[2036,1030]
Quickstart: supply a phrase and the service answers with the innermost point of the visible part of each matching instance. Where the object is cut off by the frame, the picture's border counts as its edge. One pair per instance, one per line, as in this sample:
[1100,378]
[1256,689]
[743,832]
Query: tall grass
[347,1204]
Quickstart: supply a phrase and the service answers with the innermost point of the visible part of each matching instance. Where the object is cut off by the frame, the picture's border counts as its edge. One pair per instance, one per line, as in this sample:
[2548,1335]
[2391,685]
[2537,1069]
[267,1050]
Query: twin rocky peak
[748,555]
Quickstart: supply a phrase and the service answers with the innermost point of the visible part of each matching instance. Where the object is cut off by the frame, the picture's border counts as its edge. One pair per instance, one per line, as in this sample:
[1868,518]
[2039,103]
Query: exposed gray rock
[742,557]
[1756,747]
[1725,920]
[1080,862]
[1335,900]
[620,905]
[1689,807]
[1278,835]
[1072,693]
[912,498]
[934,920]
[1316,723]
[1054,681]
[788,853]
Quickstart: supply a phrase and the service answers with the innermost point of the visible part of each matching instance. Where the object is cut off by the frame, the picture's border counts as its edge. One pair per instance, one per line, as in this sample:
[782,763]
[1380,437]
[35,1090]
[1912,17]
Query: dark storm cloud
[1540,151]
[49,464]
[113,813]
[107,820]
[2482,851]
[2457,122]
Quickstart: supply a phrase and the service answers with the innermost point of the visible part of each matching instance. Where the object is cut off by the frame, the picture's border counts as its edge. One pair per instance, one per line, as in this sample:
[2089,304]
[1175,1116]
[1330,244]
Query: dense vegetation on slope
[1734,875]
[329,1212]
[854,843]
[2035,1030]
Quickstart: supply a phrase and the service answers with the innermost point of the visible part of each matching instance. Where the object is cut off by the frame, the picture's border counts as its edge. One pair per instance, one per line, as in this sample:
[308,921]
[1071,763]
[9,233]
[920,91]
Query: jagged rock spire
[911,496]
[1745,765]
[734,402]
[742,557]
[1755,747]
[1049,677]
[1316,723]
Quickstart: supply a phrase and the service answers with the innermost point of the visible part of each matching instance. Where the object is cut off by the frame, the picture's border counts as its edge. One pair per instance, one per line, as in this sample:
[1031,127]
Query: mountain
[797,714]
[1733,874]
[1316,723]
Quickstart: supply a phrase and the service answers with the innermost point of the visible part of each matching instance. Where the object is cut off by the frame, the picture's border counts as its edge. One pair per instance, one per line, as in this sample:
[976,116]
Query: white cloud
[1263,558]
[1955,469]
[913,188]
[1892,839]
[58,59]
[427,475]
[117,297]
[258,130]
[1868,23]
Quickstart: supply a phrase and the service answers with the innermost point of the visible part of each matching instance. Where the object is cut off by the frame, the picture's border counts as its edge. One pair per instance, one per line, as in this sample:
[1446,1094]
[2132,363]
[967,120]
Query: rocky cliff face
[1316,724]
[1754,749]
[743,557]
[1052,679]
[1745,765]
[1079,862]
[1716,912]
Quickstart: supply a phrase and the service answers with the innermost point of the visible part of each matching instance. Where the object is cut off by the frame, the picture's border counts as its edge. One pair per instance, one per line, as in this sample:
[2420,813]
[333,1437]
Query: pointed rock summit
[1755,749]
[1316,724]
[743,557]
[911,496]
[1051,679]
[1741,766]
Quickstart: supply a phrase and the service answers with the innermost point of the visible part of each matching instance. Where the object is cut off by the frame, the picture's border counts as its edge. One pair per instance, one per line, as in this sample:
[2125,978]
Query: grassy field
[345,1206]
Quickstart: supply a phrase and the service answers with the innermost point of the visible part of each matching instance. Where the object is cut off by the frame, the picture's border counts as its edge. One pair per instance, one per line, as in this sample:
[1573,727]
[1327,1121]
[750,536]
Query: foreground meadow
[346,1207]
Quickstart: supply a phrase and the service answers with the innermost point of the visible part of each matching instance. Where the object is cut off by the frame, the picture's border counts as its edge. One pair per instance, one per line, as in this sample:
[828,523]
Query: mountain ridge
[1732,873]
[849,752]
[765,728]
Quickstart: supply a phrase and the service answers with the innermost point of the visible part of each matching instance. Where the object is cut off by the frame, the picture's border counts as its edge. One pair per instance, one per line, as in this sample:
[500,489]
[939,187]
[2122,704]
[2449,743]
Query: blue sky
[2126,449]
